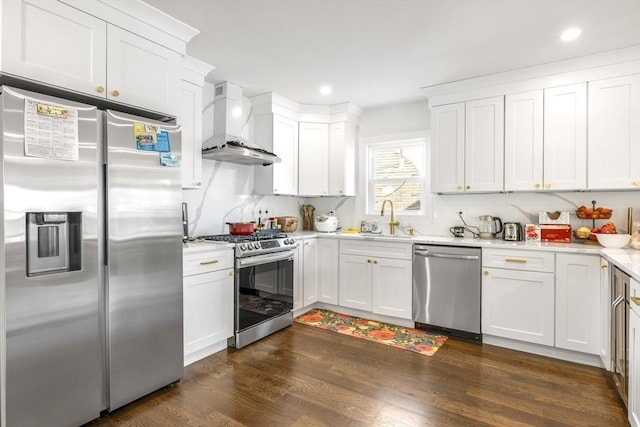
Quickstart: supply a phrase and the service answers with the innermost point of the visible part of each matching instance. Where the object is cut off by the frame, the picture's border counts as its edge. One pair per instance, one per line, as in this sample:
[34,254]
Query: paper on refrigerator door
[50,131]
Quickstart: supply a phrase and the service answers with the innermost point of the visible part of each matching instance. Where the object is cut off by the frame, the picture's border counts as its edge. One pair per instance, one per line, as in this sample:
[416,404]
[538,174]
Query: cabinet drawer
[519,260]
[377,249]
[204,262]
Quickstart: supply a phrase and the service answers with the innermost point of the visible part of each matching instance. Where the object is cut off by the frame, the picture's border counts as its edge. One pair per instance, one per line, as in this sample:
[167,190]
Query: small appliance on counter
[490,226]
[327,223]
[513,231]
[457,231]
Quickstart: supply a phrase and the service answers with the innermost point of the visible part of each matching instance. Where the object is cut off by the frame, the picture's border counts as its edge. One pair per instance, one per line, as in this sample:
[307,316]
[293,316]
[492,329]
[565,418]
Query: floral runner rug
[410,339]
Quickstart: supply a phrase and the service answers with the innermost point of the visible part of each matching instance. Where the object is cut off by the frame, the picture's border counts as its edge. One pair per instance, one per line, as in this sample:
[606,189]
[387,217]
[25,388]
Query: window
[397,171]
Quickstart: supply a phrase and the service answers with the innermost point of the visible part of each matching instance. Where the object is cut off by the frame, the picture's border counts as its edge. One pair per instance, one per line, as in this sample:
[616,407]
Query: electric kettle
[490,226]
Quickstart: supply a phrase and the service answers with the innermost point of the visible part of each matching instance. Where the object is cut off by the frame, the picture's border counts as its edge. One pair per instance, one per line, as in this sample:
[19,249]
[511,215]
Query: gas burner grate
[256,236]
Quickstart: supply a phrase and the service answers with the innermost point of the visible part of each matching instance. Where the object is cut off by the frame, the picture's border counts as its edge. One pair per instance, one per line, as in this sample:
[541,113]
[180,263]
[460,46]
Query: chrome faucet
[392,223]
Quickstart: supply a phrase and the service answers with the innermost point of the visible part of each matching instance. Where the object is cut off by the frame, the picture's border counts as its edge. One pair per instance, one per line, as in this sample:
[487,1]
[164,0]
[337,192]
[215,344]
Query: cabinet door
[633,397]
[392,287]
[298,277]
[518,305]
[355,282]
[53,43]
[523,129]
[142,73]
[605,314]
[208,310]
[313,159]
[327,270]
[309,266]
[285,145]
[447,148]
[484,145]
[190,119]
[342,159]
[565,137]
[578,302]
[614,132]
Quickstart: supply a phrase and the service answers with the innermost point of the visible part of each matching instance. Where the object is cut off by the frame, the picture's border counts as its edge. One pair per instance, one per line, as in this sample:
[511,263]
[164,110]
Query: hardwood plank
[304,376]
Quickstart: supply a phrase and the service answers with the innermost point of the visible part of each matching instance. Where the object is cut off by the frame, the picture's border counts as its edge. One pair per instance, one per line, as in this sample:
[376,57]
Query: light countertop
[456,241]
[628,260]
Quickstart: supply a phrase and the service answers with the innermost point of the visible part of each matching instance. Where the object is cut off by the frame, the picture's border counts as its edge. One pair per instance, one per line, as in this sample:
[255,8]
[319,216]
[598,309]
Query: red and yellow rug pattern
[410,339]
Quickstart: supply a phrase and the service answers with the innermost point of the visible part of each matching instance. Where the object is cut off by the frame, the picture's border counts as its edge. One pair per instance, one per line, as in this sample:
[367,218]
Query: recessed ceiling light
[570,34]
[325,90]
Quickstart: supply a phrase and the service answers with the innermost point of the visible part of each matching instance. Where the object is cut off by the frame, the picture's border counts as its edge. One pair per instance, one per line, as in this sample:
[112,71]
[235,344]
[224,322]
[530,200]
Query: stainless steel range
[263,284]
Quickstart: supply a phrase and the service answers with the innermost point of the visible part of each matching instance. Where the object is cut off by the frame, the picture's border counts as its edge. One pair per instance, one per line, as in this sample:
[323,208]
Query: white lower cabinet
[208,301]
[518,304]
[578,302]
[548,299]
[605,314]
[327,270]
[305,278]
[633,397]
[376,277]
[355,282]
[391,295]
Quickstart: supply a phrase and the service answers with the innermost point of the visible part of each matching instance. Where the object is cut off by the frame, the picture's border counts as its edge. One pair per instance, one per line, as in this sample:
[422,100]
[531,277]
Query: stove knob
[291,241]
[250,246]
[243,247]
[257,245]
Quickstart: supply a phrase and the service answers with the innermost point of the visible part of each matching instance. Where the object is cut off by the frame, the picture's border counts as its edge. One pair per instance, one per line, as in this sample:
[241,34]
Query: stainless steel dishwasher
[446,289]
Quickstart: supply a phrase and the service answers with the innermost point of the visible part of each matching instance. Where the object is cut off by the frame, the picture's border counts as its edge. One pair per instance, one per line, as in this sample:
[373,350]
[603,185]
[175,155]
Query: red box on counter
[559,233]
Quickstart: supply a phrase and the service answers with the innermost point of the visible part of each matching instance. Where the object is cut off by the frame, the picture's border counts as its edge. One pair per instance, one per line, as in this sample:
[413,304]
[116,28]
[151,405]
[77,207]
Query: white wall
[227,194]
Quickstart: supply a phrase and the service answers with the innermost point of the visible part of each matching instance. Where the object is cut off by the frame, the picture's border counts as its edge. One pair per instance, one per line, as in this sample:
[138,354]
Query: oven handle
[264,259]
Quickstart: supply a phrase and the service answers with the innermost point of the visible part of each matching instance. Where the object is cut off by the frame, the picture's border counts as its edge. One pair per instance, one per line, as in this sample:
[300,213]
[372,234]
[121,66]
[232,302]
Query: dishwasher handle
[428,254]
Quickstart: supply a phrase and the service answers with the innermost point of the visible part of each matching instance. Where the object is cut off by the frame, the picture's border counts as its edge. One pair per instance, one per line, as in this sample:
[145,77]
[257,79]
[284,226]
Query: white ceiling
[375,52]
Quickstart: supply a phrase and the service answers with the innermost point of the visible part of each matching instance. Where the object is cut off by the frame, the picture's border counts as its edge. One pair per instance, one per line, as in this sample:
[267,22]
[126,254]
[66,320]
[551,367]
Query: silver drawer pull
[213,261]
[521,261]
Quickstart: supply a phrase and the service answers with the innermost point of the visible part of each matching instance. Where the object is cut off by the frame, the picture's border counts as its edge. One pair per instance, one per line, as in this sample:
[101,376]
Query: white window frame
[398,141]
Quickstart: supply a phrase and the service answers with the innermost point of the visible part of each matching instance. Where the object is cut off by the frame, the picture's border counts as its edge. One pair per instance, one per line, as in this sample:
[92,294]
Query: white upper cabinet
[468,146]
[614,133]
[142,73]
[326,159]
[447,148]
[523,141]
[565,137]
[190,110]
[279,135]
[57,44]
[54,43]
[484,145]
[342,159]
[313,159]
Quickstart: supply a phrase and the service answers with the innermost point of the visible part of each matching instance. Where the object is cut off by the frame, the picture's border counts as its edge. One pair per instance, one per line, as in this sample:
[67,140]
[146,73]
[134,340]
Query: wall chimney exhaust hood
[227,145]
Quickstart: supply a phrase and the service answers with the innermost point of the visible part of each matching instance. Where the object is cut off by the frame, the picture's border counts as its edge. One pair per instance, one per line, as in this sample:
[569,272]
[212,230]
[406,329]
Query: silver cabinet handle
[617,301]
[430,255]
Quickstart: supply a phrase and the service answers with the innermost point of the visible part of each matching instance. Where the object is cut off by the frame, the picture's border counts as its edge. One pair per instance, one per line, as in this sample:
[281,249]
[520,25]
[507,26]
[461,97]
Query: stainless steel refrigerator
[90,262]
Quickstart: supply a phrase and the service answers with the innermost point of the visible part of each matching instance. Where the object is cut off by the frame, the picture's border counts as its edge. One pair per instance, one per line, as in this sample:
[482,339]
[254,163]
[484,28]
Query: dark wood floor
[304,376]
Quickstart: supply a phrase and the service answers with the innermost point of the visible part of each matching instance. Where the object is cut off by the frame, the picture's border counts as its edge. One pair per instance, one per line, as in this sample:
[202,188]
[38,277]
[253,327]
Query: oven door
[264,285]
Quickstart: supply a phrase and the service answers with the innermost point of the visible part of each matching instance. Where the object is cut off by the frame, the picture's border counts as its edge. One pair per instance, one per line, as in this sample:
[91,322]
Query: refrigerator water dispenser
[53,242]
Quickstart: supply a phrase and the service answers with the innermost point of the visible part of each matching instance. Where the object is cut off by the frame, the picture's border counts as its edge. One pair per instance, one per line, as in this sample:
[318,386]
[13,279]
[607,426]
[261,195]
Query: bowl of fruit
[601,212]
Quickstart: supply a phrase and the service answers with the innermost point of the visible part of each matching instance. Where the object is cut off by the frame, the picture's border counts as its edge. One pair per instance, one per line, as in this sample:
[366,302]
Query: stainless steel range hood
[227,145]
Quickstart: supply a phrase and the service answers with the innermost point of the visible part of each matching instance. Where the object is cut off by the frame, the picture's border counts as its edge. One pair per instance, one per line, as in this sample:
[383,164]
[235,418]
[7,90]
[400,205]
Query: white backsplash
[228,196]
